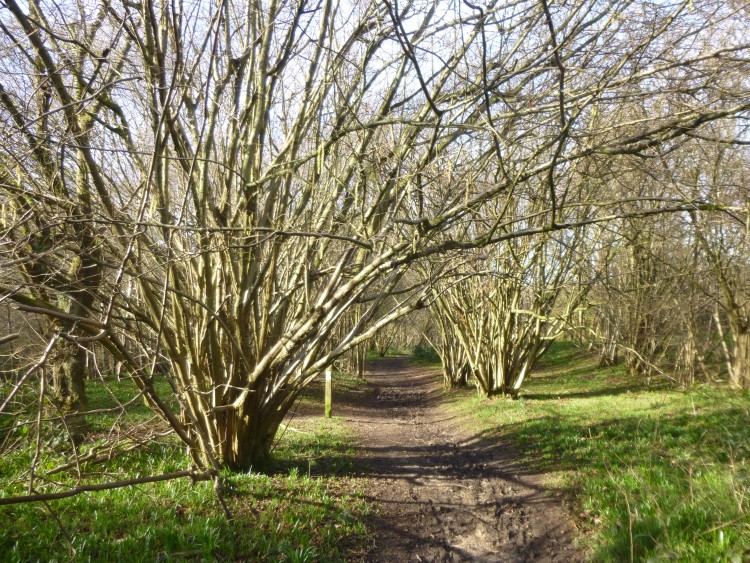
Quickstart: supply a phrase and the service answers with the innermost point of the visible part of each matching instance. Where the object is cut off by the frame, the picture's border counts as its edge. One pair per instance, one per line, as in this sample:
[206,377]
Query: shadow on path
[441,492]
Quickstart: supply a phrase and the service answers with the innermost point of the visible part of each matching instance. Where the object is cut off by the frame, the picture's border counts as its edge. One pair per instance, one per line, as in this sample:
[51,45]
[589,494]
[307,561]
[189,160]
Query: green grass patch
[311,398]
[425,355]
[289,517]
[654,469]
[307,509]
[314,446]
[392,352]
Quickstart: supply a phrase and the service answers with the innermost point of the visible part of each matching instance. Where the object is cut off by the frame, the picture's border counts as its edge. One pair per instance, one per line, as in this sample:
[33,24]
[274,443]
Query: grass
[425,355]
[314,446]
[289,517]
[656,472]
[392,352]
[343,384]
[307,509]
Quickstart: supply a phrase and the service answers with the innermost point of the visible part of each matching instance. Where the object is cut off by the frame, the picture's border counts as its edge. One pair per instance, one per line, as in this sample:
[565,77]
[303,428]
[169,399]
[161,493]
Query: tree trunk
[249,437]
[607,334]
[740,373]
[69,376]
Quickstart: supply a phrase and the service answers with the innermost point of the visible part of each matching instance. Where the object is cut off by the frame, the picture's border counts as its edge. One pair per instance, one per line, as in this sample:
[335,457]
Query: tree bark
[740,375]
[69,376]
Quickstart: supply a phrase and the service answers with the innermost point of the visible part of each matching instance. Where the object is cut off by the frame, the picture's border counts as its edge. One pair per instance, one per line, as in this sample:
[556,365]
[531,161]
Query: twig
[9,338]
[219,491]
[630,524]
[298,431]
[50,312]
[38,442]
[31,370]
[564,125]
[724,525]
[64,531]
[93,456]
[192,473]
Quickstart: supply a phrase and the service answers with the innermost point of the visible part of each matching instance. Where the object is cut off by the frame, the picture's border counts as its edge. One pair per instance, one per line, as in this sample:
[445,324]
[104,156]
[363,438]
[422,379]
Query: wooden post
[328,394]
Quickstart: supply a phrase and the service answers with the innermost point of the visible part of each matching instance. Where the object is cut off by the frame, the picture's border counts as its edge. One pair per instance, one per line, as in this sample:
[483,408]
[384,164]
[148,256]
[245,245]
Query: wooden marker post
[328,394]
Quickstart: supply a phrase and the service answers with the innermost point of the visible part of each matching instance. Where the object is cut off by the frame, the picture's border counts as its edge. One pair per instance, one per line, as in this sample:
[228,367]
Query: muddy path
[441,493]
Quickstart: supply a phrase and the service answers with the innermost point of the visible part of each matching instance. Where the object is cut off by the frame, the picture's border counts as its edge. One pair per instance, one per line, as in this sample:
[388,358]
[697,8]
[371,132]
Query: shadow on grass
[667,484]
[286,516]
[275,519]
[617,389]
[566,443]
[661,472]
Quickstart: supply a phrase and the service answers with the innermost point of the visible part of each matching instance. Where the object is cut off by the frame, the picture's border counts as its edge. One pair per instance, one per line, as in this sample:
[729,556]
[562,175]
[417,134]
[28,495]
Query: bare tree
[206,190]
[510,306]
[725,241]
[671,295]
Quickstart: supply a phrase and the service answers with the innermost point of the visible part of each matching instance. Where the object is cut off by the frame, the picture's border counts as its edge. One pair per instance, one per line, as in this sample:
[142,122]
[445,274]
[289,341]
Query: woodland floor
[439,492]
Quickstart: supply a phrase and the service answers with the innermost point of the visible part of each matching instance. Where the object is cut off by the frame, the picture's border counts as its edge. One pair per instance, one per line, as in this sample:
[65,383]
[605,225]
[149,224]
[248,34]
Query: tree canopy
[203,191]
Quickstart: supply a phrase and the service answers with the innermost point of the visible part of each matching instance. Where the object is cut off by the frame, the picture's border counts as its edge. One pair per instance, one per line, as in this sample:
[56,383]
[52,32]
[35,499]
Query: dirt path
[442,494]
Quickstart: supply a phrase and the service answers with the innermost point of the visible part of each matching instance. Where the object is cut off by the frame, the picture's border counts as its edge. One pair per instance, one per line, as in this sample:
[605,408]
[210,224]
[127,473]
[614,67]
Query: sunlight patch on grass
[666,466]
[308,508]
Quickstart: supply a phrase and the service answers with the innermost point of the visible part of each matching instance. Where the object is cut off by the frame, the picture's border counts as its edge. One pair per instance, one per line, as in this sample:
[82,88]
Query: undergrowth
[392,352]
[424,354]
[307,508]
[657,472]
